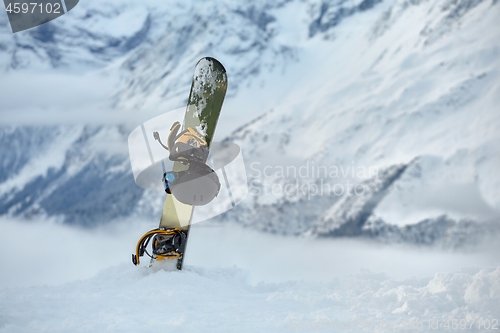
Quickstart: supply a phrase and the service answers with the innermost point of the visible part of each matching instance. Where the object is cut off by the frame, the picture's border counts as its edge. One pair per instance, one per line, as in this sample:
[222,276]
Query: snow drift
[127,299]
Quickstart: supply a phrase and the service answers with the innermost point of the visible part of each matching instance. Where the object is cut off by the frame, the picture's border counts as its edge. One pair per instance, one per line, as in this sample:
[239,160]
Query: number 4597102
[33,7]
[465,324]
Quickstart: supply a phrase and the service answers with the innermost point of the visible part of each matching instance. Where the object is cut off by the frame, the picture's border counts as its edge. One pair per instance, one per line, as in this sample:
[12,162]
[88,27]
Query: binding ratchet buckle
[166,243]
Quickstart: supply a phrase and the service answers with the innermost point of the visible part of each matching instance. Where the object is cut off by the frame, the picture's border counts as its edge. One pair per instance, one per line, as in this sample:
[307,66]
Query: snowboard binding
[198,184]
[166,243]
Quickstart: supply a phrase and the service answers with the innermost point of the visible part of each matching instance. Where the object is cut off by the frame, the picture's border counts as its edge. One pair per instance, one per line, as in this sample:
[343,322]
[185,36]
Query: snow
[404,81]
[52,158]
[448,187]
[116,21]
[291,23]
[127,299]
[385,86]
[81,281]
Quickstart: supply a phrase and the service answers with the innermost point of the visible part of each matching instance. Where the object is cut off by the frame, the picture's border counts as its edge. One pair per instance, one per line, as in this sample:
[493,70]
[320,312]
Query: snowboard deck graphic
[208,90]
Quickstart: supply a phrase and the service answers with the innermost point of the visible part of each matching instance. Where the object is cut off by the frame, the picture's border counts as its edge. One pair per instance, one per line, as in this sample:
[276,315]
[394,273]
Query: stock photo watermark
[310,180]
[396,325]
[27,14]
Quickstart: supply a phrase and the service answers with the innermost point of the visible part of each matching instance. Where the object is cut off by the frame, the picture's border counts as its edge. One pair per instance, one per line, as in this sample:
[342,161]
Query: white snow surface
[235,279]
[128,299]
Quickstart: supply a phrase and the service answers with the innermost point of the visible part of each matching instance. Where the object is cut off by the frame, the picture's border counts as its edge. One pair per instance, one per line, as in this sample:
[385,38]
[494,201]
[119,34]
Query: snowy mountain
[412,93]
[66,172]
[91,37]
[389,109]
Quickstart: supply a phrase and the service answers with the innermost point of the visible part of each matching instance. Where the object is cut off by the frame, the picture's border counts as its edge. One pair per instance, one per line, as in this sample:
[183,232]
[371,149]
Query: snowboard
[208,90]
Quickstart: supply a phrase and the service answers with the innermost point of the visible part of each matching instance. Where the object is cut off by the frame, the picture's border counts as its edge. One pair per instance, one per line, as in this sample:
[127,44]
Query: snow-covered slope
[90,36]
[126,299]
[345,90]
[67,279]
[78,174]
[407,83]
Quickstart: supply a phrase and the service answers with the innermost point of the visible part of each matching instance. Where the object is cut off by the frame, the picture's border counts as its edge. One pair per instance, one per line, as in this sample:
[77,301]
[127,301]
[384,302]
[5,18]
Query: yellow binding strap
[151,233]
